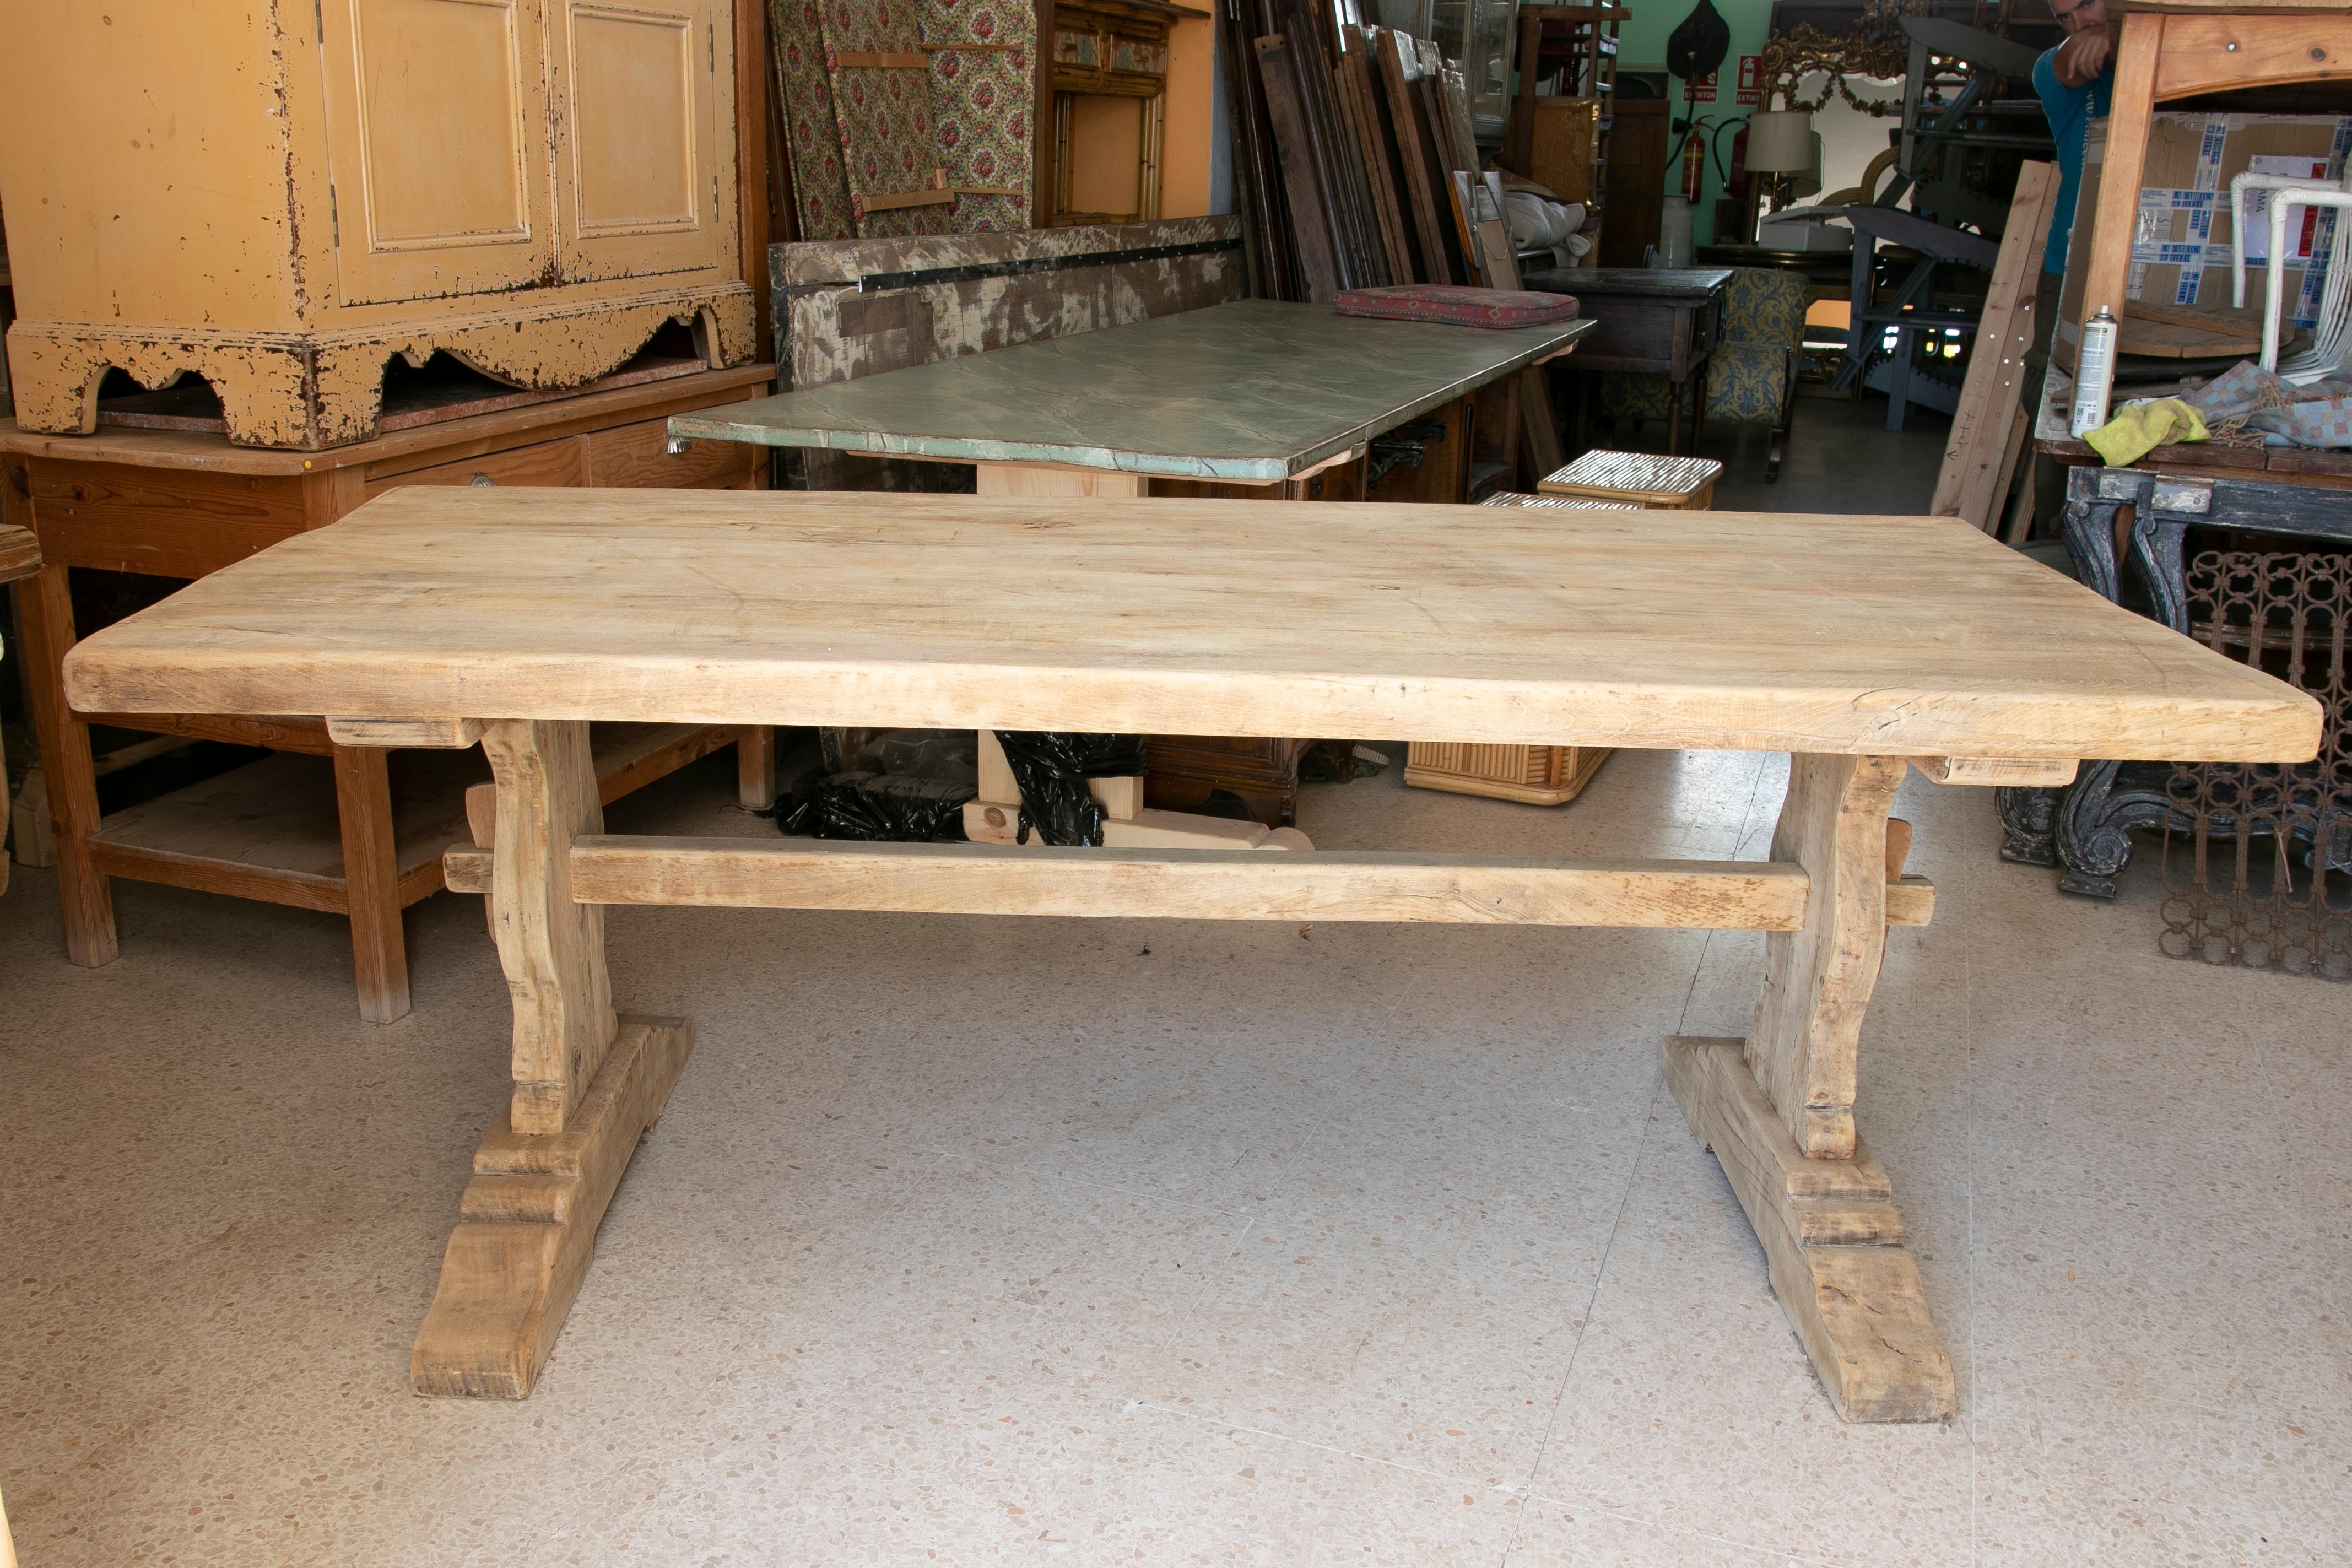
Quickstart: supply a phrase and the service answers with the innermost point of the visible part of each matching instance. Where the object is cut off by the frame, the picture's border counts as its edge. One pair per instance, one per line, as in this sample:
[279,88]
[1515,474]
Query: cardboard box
[2180,252]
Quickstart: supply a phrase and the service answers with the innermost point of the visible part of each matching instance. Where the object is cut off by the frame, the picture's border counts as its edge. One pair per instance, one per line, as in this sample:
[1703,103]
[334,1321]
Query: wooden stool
[1561,503]
[1671,484]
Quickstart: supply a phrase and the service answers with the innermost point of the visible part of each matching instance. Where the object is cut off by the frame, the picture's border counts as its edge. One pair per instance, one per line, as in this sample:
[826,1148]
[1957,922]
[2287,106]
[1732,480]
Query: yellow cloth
[2142,428]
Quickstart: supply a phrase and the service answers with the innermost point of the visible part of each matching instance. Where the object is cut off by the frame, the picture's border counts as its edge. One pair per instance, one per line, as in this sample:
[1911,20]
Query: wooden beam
[527,1229]
[448,735]
[551,946]
[755,75]
[1832,1243]
[1041,119]
[2116,217]
[897,199]
[2007,773]
[1172,884]
[1817,980]
[1910,900]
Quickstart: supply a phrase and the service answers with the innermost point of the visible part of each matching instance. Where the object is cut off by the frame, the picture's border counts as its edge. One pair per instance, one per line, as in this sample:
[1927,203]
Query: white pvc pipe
[2239,186]
[2328,337]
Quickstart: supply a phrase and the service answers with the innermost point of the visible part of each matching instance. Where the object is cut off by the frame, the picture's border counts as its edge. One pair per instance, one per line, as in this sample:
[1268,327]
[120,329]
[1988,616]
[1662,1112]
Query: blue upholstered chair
[1751,376]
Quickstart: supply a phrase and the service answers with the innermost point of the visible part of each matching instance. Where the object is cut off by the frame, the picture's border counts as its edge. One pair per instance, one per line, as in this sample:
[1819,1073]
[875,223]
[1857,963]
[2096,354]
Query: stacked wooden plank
[1991,426]
[1346,160]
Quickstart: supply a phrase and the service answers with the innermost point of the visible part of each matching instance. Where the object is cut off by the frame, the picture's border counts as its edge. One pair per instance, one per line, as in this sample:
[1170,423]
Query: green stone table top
[1252,392]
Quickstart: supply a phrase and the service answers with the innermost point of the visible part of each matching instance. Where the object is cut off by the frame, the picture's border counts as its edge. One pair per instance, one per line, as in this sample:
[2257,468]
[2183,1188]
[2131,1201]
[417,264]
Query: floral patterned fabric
[811,134]
[884,114]
[858,132]
[981,103]
[1750,373]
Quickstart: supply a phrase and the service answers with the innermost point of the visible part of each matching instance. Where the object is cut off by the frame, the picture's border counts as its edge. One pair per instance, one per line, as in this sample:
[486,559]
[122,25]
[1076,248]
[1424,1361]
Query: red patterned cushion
[1461,307]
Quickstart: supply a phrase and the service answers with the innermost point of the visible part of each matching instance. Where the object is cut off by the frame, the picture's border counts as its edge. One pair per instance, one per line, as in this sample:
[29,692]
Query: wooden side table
[326,825]
[2177,48]
[1647,319]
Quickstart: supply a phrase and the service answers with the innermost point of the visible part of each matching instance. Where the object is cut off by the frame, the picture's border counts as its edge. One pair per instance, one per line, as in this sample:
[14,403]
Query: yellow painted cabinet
[439,171]
[634,83]
[282,196]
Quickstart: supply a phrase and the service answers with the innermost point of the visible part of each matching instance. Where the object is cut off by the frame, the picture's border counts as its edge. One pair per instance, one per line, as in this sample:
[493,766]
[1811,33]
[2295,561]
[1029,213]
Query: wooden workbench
[343,828]
[1861,645]
[2179,48]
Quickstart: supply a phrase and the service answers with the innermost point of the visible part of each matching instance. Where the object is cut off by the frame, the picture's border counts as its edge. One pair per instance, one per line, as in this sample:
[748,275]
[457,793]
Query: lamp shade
[1779,141]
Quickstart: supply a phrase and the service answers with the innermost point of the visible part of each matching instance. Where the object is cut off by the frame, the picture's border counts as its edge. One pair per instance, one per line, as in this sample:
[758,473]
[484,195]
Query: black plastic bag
[1052,767]
[876,807]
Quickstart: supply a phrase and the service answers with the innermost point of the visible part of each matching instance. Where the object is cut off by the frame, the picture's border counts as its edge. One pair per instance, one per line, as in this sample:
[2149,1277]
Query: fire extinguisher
[1735,184]
[1693,165]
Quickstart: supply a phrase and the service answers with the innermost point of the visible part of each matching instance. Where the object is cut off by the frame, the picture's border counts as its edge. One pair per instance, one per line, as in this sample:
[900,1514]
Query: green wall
[1642,45]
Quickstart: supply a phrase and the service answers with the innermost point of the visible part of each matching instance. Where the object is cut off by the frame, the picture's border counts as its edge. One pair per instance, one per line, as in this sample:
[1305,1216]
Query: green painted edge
[711,425]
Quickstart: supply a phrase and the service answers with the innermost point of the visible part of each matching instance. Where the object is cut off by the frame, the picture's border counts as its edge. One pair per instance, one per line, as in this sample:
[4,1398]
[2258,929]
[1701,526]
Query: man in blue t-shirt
[2075,82]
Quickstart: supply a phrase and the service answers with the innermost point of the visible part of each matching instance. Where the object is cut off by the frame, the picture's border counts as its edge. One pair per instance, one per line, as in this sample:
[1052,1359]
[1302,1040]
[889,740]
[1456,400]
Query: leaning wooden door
[638,87]
[437,146]
[1636,183]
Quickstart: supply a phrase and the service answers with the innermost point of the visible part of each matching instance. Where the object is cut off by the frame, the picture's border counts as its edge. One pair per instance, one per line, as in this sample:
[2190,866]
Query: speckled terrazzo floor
[969,1240]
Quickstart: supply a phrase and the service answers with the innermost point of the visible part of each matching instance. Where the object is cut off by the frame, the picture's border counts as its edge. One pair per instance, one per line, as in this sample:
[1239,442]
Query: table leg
[588,1085]
[1777,1110]
[2116,219]
[45,607]
[755,766]
[1053,479]
[371,882]
[1898,386]
[1674,417]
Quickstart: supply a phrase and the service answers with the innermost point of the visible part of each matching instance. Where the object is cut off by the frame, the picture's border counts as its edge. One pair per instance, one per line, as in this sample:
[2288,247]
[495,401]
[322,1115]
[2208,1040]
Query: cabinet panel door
[438,146]
[636,86]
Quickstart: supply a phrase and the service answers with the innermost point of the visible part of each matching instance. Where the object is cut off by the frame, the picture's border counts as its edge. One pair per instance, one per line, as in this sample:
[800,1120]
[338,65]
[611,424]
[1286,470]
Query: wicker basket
[1537,775]
[1638,479]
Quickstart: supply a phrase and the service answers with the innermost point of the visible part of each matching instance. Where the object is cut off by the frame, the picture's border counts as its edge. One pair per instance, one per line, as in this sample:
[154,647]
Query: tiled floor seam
[1641,1148]
[1523,1494]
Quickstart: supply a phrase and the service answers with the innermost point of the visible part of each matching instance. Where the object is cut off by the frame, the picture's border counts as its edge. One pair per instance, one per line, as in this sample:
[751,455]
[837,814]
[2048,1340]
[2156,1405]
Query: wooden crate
[1535,775]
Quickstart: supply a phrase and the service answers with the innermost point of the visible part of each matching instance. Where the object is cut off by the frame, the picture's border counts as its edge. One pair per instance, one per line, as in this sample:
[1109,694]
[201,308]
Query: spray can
[2094,374]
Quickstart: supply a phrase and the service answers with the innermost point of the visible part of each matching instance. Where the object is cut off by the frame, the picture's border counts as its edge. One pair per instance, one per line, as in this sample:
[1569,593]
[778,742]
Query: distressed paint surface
[314,390]
[836,333]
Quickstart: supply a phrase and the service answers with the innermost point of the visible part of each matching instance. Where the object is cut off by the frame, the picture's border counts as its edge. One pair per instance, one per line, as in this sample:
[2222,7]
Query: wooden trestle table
[1862,645]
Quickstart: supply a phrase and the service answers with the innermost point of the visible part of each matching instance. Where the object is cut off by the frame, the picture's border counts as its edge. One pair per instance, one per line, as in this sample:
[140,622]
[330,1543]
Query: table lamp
[1781,146]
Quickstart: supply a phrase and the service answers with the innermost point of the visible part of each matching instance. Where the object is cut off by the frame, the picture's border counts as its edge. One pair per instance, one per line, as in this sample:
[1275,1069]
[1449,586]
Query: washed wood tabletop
[1253,392]
[1893,635]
